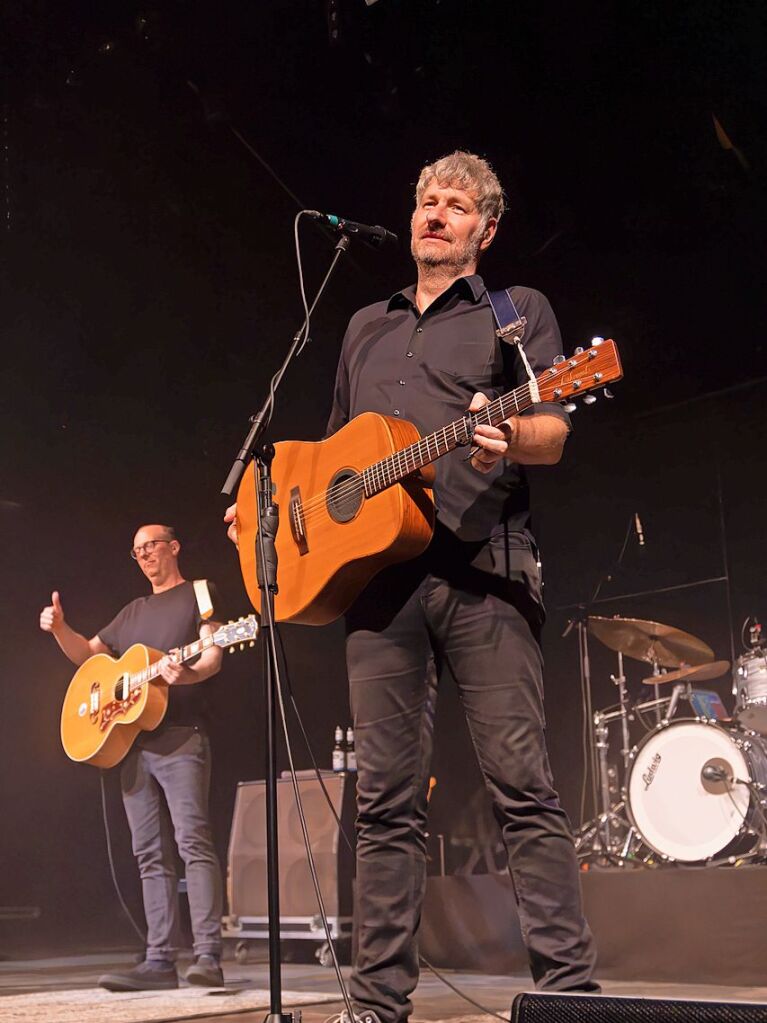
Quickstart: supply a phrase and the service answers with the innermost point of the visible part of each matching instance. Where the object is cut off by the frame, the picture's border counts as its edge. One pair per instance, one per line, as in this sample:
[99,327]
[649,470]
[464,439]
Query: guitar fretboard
[396,467]
[152,671]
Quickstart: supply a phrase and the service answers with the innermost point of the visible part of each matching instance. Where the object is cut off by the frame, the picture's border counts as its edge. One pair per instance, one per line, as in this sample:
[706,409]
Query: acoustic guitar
[360,500]
[109,701]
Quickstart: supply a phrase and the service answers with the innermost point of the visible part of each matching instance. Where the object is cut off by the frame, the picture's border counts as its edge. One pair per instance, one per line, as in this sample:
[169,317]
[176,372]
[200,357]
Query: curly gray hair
[472,174]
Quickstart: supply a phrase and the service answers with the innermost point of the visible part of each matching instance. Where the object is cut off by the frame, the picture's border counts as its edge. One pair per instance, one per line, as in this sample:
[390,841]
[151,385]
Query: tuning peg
[558,359]
[595,341]
[589,399]
[607,392]
[231,649]
[578,351]
[252,643]
[569,406]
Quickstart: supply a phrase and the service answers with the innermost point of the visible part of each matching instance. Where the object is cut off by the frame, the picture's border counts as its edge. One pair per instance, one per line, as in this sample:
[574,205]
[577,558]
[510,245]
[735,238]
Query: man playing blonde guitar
[165,776]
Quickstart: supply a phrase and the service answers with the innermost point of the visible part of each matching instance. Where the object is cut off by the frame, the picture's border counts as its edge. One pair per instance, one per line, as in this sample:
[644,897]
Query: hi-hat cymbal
[651,641]
[702,673]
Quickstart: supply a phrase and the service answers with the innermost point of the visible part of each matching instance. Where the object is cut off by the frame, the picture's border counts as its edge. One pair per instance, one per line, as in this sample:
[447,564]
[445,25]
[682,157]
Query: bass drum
[678,812]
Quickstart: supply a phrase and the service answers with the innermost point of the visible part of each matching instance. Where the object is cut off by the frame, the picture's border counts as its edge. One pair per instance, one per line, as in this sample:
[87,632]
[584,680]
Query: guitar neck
[186,653]
[402,463]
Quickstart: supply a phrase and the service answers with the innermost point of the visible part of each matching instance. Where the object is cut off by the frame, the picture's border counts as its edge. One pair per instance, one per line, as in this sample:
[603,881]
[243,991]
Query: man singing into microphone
[471,602]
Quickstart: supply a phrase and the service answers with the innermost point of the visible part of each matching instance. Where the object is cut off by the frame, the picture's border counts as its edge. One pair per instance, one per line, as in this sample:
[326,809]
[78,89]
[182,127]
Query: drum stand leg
[609,837]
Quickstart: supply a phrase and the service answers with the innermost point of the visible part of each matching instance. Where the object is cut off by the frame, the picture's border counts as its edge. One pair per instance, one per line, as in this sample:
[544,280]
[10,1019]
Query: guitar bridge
[297,521]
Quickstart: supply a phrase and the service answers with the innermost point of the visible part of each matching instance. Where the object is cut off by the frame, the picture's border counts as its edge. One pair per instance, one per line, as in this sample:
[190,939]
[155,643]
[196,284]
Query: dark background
[149,291]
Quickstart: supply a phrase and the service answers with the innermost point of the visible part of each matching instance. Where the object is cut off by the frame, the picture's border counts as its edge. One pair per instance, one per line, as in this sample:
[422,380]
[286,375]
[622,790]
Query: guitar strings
[545,381]
[136,682]
[387,465]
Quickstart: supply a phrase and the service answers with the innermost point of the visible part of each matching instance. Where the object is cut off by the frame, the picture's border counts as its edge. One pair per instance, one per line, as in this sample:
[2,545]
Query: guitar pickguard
[116,708]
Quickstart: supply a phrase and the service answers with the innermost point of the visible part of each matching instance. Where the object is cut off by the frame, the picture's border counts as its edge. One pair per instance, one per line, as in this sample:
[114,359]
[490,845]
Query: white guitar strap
[204,601]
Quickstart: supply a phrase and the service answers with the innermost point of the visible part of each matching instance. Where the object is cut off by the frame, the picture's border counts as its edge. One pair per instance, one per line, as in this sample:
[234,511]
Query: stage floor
[433,1000]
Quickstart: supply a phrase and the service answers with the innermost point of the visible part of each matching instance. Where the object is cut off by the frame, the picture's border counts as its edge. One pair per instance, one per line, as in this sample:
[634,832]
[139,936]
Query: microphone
[375,236]
[638,528]
[712,772]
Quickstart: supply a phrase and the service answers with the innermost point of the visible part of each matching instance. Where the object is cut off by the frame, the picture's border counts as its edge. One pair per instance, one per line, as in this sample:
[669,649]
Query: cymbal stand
[595,838]
[623,701]
[610,836]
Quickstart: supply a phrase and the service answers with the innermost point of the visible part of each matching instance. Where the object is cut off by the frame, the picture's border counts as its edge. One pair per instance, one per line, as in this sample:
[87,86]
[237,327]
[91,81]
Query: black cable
[115,882]
[457,990]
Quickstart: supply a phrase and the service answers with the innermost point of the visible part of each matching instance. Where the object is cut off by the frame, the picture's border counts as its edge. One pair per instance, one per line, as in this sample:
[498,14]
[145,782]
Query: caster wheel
[241,951]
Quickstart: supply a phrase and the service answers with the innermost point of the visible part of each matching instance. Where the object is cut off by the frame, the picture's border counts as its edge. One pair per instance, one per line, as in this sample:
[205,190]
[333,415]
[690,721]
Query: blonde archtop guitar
[360,500]
[109,701]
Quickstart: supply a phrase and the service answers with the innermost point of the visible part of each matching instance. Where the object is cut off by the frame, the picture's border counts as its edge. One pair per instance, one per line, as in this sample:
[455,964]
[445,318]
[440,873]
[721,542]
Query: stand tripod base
[283,1017]
[609,839]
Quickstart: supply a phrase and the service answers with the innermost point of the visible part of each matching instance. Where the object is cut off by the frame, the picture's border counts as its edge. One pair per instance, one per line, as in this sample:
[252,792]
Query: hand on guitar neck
[538,440]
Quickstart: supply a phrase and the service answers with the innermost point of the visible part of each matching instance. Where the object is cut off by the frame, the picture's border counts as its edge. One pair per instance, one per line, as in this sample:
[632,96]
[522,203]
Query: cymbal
[701,673]
[651,641]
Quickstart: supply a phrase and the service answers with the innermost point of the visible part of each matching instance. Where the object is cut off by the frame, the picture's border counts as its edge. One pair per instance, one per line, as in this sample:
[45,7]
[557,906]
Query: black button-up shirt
[426,368]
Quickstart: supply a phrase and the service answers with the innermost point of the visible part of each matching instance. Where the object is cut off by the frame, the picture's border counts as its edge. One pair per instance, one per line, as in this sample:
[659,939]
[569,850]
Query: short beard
[452,264]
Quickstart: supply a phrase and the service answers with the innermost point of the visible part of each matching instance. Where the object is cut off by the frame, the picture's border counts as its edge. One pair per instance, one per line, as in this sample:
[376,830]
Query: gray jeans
[165,782]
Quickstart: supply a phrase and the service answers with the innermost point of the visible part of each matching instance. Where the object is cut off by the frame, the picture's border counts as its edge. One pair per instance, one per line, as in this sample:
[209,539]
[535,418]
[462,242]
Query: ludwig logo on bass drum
[649,776]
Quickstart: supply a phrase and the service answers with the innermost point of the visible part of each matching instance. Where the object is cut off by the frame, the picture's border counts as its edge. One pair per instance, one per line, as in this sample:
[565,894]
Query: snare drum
[750,689]
[678,812]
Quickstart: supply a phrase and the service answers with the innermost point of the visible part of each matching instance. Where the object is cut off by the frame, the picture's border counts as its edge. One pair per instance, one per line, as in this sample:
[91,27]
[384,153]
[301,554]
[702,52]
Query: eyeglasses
[146,548]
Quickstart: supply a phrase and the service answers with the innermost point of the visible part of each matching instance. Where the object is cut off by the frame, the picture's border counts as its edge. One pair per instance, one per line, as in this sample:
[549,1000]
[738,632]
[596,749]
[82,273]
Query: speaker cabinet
[545,1008]
[246,874]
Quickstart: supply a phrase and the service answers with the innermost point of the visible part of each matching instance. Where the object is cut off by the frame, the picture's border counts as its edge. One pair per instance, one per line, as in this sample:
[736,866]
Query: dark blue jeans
[165,781]
[399,634]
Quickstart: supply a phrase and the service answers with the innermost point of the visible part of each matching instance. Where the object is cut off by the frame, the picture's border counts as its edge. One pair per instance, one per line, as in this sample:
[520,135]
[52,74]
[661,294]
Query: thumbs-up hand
[52,617]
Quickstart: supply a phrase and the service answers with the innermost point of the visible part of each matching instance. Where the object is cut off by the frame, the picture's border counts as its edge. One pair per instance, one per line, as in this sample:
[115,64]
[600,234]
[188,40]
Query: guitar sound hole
[121,689]
[345,495]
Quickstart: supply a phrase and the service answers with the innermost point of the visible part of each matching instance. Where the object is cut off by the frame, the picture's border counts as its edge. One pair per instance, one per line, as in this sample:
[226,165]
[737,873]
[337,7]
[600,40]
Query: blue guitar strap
[510,326]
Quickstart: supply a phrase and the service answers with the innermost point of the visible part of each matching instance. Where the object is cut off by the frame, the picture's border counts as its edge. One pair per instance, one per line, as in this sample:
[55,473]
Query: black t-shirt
[165,621]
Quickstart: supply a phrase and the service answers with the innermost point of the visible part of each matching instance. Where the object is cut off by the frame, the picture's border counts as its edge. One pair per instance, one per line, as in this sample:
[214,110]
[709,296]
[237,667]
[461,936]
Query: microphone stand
[260,453]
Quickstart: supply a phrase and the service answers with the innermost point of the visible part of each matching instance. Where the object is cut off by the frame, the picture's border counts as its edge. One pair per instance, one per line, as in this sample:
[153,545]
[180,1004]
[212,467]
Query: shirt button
[402,383]
[408,355]
[419,330]
[396,412]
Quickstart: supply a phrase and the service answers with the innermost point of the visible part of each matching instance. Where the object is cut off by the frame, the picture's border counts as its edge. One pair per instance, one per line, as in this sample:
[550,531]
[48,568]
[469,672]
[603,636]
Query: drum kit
[693,788]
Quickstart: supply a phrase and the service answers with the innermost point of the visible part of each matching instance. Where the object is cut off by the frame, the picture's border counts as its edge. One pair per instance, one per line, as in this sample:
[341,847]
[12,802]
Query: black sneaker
[205,971]
[151,975]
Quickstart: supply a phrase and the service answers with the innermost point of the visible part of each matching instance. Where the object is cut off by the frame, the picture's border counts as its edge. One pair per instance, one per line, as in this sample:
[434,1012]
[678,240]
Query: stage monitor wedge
[581,1008]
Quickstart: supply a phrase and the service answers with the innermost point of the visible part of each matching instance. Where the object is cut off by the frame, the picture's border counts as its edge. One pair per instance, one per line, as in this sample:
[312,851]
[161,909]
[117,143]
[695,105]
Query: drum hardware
[615,835]
[610,836]
[662,646]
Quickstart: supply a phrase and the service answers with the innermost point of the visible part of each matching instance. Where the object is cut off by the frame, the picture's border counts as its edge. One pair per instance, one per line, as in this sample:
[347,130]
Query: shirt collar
[471,288]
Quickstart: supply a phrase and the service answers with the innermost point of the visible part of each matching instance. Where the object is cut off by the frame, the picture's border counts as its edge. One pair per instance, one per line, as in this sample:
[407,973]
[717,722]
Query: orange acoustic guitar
[110,701]
[359,501]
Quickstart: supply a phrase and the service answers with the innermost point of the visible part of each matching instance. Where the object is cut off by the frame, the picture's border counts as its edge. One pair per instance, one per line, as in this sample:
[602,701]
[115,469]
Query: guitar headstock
[241,631]
[585,371]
